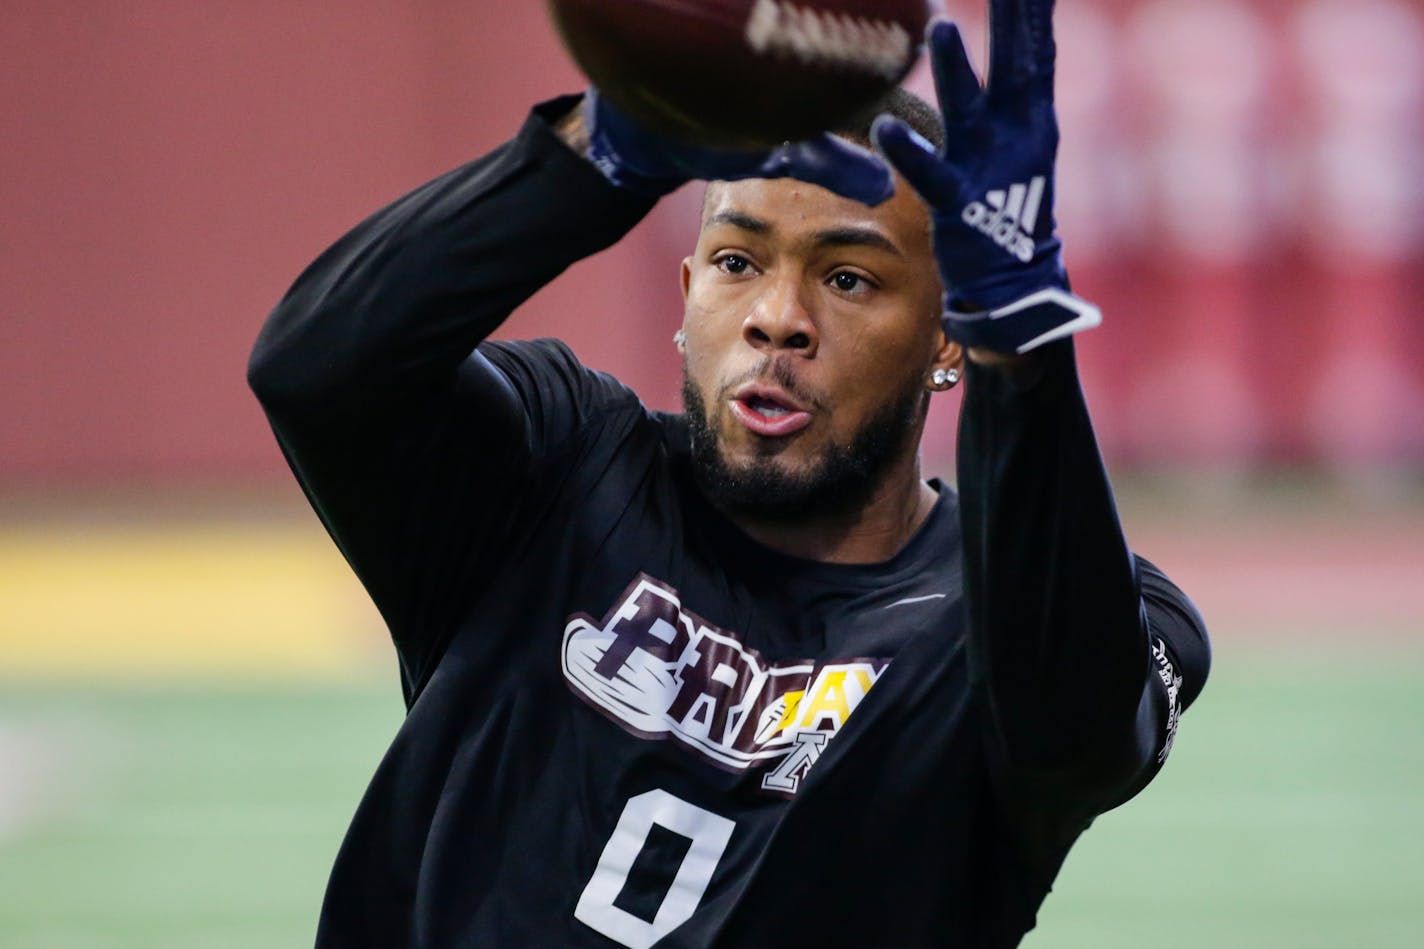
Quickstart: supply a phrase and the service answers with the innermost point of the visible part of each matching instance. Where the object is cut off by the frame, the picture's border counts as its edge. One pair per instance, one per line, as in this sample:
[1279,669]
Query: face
[811,325]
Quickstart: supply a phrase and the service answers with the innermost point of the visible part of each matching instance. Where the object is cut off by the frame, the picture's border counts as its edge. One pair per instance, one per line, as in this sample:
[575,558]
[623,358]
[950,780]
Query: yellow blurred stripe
[181,598]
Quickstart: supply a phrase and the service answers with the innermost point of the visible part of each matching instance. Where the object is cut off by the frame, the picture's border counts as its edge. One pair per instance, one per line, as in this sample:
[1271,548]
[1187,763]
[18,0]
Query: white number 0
[709,834]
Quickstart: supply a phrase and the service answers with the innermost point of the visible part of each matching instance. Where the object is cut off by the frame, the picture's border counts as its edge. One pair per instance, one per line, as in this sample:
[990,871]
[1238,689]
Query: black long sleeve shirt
[630,724]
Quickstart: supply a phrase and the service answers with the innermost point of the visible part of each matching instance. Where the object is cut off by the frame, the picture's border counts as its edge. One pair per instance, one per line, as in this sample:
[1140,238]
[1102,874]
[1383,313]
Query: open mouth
[768,408]
[768,414]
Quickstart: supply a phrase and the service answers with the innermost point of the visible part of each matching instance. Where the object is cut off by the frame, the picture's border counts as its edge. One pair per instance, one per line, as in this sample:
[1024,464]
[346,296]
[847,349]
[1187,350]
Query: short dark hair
[905,106]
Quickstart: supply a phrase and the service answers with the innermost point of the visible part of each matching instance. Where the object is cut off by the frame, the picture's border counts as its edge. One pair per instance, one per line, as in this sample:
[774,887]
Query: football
[743,73]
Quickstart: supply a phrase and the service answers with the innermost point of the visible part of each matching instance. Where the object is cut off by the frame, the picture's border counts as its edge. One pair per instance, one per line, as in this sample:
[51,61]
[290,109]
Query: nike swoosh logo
[916,599]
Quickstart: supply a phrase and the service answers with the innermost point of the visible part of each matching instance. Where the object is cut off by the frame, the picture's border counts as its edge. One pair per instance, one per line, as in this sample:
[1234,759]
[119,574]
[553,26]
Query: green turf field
[1290,815]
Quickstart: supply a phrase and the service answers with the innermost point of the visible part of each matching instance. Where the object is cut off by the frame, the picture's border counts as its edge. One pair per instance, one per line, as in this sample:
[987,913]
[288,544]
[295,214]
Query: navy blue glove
[653,165]
[990,189]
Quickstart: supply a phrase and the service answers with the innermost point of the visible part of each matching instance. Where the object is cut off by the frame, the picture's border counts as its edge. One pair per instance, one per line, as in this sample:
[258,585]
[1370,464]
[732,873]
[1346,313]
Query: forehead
[794,207]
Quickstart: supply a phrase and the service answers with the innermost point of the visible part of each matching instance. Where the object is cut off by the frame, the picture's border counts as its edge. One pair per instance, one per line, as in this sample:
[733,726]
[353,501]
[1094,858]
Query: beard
[840,481]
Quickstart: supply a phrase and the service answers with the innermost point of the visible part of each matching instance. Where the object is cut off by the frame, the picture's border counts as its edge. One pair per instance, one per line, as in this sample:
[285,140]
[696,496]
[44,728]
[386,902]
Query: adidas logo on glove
[1009,217]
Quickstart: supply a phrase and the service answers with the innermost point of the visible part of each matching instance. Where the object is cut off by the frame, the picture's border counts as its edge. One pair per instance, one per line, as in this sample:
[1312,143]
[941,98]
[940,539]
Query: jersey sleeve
[415,448]
[1083,655]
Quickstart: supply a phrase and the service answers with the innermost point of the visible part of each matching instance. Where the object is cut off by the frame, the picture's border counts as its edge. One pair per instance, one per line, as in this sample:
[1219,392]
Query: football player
[738,676]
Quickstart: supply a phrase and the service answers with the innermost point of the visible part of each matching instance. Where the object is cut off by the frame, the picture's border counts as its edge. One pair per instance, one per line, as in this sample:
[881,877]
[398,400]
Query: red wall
[166,168]
[169,167]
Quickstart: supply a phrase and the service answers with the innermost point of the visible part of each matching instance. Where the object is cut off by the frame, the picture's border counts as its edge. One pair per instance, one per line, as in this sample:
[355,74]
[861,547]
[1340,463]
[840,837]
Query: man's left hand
[990,188]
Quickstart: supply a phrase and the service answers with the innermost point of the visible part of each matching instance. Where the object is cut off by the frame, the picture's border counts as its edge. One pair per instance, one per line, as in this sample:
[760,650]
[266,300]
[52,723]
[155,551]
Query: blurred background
[194,691]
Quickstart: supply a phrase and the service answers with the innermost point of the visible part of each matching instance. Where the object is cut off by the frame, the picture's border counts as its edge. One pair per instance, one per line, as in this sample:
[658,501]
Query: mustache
[774,370]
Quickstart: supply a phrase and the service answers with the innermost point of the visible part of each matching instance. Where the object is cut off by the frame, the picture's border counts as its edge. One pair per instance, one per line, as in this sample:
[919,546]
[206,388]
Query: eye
[734,264]
[851,283]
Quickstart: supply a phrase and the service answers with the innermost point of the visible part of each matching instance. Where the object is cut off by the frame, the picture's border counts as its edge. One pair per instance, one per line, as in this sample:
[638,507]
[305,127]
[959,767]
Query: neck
[872,533]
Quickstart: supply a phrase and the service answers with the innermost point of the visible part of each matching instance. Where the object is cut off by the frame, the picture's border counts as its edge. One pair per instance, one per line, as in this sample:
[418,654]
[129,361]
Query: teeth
[767,408]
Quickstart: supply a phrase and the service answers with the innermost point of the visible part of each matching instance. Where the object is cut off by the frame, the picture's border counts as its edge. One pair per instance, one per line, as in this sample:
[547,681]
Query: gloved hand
[653,165]
[990,189]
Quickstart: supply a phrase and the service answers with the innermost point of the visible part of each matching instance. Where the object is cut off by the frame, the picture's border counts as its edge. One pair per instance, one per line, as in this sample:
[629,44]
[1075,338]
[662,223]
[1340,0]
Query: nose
[781,320]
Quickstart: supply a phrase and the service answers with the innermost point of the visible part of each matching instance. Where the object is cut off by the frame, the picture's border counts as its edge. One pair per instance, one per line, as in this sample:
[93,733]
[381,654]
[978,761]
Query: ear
[947,362]
[947,354]
[685,279]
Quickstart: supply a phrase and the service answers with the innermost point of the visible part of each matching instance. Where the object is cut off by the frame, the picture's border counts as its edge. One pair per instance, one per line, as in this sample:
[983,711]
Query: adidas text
[1009,217]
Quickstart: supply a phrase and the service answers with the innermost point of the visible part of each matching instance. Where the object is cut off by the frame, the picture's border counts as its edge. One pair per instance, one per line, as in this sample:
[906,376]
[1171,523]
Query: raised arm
[1085,654]
[1082,666]
[407,445]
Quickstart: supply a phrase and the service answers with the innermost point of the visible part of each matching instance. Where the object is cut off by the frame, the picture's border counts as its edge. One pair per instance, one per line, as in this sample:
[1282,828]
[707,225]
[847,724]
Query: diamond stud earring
[944,378]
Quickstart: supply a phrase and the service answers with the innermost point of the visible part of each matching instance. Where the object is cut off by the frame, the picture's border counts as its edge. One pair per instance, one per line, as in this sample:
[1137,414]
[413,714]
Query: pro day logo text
[662,672]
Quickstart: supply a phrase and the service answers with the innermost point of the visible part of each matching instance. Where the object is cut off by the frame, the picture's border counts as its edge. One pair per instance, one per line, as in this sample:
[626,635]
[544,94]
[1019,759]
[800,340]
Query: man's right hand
[651,164]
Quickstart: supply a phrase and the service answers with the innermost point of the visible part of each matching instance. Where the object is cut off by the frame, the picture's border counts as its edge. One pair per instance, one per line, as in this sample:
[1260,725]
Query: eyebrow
[856,237]
[835,237]
[740,219]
